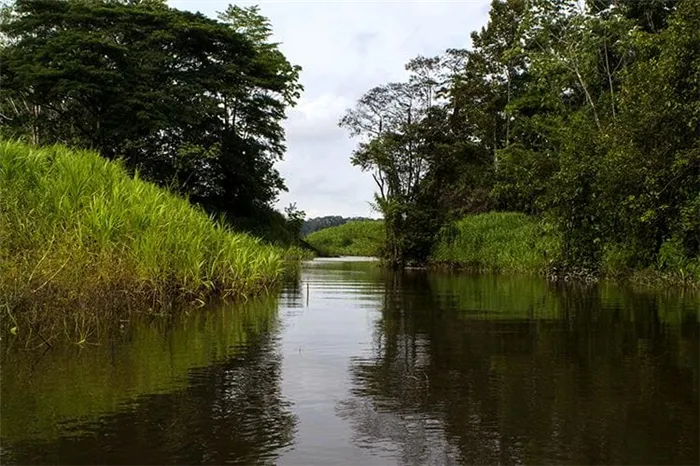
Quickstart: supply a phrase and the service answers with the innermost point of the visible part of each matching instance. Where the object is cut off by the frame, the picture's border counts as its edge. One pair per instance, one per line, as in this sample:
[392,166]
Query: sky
[345,48]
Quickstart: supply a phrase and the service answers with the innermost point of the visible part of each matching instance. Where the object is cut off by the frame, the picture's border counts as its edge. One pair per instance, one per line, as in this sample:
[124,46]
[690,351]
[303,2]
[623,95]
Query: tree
[649,15]
[583,113]
[192,103]
[561,117]
[295,218]
[390,120]
[651,172]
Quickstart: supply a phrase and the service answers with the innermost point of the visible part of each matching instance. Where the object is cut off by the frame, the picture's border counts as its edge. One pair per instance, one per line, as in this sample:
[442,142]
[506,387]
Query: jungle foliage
[194,104]
[584,114]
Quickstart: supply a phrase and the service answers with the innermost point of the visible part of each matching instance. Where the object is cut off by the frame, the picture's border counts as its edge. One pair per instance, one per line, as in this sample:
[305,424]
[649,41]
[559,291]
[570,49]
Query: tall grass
[77,229]
[359,238]
[497,241]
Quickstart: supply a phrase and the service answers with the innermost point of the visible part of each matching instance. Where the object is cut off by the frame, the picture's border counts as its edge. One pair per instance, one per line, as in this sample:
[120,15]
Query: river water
[354,365]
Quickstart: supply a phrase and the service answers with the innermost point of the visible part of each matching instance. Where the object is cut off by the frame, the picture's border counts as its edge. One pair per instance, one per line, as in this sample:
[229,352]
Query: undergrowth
[496,241]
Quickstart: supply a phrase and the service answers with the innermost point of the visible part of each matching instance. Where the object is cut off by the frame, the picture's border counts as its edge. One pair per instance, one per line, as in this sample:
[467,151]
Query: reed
[497,241]
[78,230]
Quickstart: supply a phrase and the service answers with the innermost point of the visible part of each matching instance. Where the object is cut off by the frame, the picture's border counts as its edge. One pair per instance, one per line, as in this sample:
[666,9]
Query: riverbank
[357,238]
[513,242]
[510,242]
[79,233]
[496,241]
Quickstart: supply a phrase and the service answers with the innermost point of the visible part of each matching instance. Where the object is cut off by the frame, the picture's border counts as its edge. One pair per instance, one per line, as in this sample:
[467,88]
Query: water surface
[351,364]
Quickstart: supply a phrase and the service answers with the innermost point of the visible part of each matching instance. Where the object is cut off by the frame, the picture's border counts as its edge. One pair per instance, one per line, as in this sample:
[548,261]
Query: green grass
[77,230]
[497,241]
[360,238]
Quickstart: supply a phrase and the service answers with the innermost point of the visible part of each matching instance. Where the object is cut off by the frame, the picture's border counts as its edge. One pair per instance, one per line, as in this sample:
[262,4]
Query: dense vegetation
[495,241]
[77,231]
[583,114]
[357,238]
[319,223]
[195,104]
[190,105]
[502,241]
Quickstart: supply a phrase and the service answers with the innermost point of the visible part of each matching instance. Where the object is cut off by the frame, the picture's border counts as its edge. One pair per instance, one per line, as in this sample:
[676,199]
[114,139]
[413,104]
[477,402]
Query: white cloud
[318,114]
[345,48]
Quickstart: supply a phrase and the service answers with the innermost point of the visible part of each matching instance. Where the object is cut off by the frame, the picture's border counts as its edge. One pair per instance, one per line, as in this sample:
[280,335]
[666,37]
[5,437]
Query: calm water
[354,365]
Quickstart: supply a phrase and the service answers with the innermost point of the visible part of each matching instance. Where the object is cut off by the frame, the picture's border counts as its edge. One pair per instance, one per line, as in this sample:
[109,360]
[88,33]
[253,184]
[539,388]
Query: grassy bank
[78,231]
[492,241]
[497,241]
[514,242]
[360,238]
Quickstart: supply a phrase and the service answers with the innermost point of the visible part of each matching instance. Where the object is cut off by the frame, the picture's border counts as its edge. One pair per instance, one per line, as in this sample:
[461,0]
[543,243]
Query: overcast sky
[346,48]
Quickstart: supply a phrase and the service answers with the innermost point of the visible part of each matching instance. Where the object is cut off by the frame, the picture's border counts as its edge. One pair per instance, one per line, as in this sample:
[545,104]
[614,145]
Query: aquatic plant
[503,241]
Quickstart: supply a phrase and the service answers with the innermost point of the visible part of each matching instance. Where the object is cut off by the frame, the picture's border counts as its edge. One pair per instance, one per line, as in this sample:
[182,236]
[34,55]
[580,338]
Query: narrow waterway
[352,364]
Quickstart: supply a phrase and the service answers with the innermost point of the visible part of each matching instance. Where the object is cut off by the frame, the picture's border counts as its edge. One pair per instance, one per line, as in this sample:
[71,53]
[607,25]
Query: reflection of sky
[320,341]
[346,48]
[366,367]
[317,343]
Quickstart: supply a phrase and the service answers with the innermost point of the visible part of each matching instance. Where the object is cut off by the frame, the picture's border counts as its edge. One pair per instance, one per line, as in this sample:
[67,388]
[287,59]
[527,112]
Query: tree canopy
[584,113]
[193,103]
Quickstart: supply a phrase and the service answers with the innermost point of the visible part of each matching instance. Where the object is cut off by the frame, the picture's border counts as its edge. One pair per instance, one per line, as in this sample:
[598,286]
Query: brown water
[354,365]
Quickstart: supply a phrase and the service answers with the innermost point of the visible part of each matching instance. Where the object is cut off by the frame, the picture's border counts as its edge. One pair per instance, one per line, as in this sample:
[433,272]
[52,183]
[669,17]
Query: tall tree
[191,102]
[411,144]
[387,119]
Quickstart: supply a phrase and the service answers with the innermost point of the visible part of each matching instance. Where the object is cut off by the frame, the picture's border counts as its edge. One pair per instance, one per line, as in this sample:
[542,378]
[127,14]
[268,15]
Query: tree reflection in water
[228,412]
[485,370]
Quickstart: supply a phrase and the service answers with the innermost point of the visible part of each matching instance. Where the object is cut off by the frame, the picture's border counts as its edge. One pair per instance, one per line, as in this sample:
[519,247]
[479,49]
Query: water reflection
[485,370]
[201,389]
[352,364]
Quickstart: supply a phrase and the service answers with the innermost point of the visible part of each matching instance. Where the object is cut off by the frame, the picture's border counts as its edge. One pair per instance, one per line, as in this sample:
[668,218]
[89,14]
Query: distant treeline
[319,223]
[583,114]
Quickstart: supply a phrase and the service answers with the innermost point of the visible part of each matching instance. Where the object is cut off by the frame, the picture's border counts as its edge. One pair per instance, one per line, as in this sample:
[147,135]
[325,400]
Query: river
[351,364]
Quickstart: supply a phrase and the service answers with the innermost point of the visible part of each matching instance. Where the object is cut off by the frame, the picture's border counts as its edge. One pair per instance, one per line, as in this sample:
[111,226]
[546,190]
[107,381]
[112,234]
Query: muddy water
[354,365]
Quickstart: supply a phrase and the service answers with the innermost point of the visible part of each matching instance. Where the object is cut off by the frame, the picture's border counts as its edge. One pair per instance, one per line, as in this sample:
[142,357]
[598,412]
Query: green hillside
[360,238]
[78,229]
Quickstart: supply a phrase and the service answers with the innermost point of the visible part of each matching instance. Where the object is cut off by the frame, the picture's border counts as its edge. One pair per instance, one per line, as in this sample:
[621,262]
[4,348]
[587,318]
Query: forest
[584,115]
[138,146]
[193,104]
[157,308]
